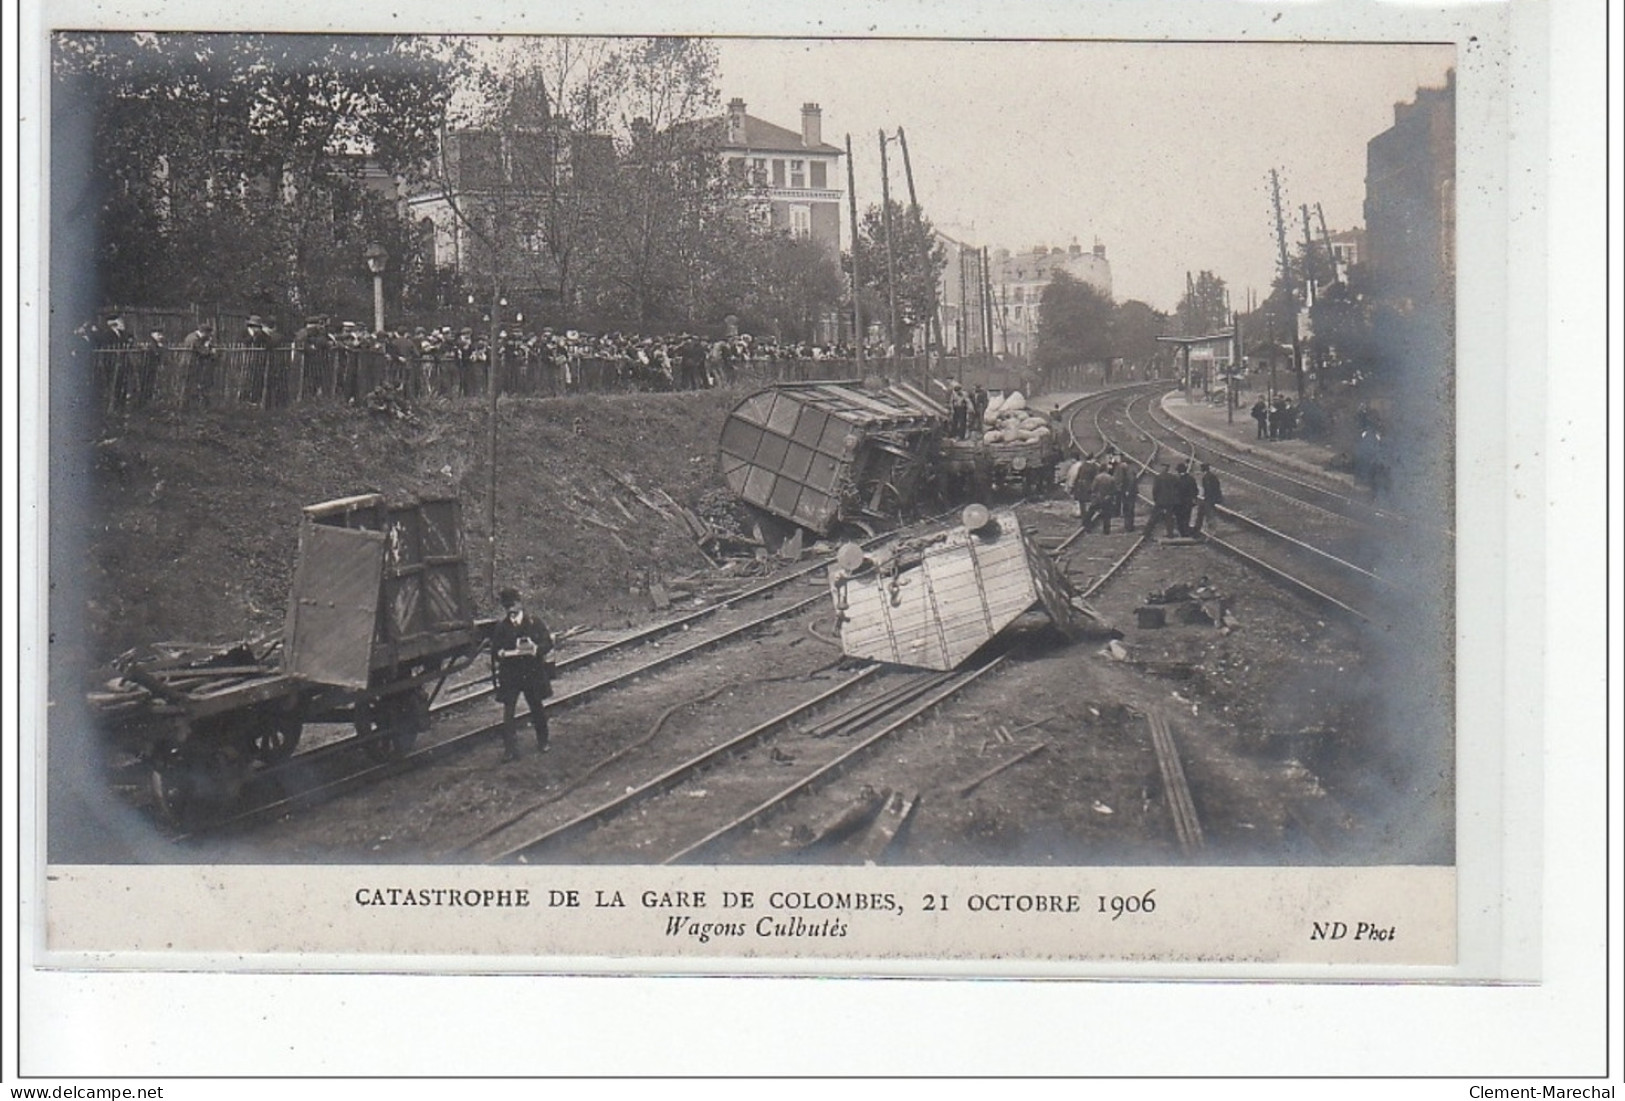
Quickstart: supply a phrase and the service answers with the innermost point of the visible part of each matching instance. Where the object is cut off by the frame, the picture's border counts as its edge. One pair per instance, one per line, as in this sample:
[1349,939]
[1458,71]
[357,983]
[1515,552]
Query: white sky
[1161,151]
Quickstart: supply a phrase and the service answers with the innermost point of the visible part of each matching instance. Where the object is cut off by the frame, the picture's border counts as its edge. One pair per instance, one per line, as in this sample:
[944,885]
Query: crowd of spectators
[1280,418]
[260,365]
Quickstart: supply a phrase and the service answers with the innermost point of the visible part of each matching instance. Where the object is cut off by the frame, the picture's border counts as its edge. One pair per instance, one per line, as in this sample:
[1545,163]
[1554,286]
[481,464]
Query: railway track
[327,772]
[745,779]
[1328,577]
[335,768]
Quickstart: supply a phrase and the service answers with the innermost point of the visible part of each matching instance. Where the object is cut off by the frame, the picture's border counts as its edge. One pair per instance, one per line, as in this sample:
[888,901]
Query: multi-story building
[1019,280]
[1410,201]
[791,180]
[499,183]
[961,298]
[1348,249]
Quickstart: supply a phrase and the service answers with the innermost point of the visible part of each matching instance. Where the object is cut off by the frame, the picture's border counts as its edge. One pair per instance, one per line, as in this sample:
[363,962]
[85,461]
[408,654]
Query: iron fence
[155,375]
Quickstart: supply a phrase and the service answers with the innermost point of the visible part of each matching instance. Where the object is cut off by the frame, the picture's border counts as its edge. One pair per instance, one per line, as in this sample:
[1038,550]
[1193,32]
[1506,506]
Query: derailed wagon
[825,454]
[1013,447]
[932,601]
[379,616]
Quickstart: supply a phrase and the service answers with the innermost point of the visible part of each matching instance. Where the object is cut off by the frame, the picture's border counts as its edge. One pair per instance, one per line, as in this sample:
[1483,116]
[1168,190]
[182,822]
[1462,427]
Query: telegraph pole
[891,258]
[933,324]
[987,306]
[1236,363]
[1309,293]
[1326,238]
[857,282]
[1286,281]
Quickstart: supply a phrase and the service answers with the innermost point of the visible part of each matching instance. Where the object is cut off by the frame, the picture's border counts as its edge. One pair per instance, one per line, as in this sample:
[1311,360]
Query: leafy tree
[665,216]
[535,110]
[1135,328]
[1074,324]
[240,160]
[919,259]
[785,284]
[1205,306]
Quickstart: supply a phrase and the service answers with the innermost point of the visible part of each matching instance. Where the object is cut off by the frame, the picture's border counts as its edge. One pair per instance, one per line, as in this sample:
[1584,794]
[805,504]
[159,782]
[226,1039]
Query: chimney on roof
[736,121]
[812,125]
[1074,249]
[1100,249]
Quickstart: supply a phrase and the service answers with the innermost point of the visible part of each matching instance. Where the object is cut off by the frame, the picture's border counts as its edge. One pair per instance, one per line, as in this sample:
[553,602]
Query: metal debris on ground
[978,781]
[1194,602]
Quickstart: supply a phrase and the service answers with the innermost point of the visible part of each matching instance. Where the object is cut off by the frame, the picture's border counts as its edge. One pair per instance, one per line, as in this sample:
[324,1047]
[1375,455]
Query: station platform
[1303,456]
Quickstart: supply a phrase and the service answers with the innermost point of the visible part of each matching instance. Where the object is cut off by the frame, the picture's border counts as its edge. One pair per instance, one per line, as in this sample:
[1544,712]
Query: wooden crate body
[376,587]
[817,453]
[933,603]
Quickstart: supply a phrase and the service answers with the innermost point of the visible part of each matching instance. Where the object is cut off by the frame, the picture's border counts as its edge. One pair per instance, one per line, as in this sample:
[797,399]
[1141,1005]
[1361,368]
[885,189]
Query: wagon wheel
[391,725]
[173,789]
[185,782]
[275,737]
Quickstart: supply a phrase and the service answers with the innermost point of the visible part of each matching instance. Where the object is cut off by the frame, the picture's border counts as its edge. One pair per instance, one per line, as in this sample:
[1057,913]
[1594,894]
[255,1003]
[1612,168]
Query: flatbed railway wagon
[932,601]
[1014,449]
[826,454]
[379,616]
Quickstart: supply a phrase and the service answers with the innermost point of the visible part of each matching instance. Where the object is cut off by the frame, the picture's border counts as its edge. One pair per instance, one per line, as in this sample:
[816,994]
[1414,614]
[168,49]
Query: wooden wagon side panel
[1054,590]
[937,613]
[446,599]
[787,456]
[333,609]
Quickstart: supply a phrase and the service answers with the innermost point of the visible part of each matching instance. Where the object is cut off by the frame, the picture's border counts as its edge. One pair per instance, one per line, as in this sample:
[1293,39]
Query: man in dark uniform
[1212,497]
[1103,499]
[1128,490]
[113,342]
[958,410]
[198,353]
[520,644]
[978,405]
[1083,486]
[314,346]
[1164,500]
[1188,492]
[691,360]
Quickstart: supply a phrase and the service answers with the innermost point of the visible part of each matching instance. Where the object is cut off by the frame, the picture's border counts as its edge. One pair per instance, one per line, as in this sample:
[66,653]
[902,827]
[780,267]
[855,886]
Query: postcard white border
[1520,933]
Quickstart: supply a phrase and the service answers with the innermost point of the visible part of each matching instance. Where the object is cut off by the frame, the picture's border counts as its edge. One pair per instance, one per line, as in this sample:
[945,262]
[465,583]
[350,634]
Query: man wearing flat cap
[520,644]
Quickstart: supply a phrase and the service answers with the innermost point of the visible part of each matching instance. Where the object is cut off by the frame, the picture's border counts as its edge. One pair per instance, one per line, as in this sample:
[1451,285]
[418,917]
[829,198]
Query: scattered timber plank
[626,483]
[849,819]
[696,525]
[996,769]
[1175,786]
[597,523]
[893,817]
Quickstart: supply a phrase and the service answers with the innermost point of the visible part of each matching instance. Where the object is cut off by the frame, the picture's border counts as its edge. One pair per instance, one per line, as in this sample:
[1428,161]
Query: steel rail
[1234,457]
[1241,479]
[1358,511]
[1290,579]
[1272,570]
[671,776]
[425,754]
[955,682]
[422,755]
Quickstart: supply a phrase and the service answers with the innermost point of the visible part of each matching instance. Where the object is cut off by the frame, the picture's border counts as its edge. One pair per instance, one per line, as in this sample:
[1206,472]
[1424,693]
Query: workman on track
[520,644]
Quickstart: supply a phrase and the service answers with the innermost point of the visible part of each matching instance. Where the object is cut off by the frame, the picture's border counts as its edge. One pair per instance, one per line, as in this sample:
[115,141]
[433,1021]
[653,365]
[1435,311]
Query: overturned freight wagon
[932,601]
[380,614]
[822,454]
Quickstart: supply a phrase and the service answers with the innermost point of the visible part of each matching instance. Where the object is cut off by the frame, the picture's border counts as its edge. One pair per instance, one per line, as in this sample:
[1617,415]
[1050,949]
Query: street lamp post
[377,260]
